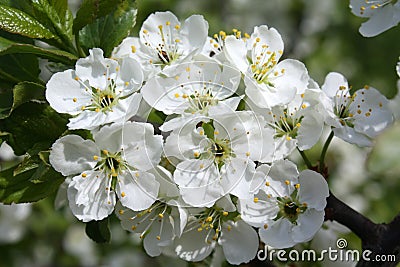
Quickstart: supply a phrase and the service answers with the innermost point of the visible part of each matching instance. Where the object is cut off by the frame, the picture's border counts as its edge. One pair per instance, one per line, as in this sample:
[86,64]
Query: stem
[305,158]
[323,153]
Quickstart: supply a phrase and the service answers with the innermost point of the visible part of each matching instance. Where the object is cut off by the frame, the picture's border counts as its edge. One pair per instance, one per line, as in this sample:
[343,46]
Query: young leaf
[98,231]
[91,10]
[16,21]
[109,31]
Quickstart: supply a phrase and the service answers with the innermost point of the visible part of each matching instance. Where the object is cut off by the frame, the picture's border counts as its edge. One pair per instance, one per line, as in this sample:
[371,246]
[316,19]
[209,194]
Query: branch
[380,239]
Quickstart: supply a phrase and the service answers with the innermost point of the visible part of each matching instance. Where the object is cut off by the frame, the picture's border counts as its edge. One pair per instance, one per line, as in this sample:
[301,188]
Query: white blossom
[117,161]
[98,92]
[289,208]
[355,118]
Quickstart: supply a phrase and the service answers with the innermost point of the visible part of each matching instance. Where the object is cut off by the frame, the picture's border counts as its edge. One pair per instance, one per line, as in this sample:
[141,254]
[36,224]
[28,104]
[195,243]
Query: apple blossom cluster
[218,172]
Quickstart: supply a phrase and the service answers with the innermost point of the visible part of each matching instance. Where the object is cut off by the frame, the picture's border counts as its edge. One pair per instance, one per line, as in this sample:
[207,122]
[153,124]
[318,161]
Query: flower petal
[278,234]
[313,189]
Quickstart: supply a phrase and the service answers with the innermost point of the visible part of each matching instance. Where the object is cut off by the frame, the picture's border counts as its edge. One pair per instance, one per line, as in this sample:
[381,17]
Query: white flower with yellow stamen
[355,118]
[217,158]
[382,15]
[201,89]
[117,161]
[98,92]
[289,208]
[219,225]
[297,124]
[165,42]
[268,81]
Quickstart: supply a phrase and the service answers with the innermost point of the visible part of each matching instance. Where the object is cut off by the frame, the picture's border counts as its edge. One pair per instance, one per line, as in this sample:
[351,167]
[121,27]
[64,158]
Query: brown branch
[380,239]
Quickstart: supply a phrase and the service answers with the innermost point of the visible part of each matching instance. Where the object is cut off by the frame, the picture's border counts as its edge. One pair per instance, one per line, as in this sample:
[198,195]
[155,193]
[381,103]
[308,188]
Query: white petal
[65,94]
[72,154]
[307,226]
[236,52]
[313,189]
[130,72]
[380,21]
[137,190]
[160,235]
[239,252]
[88,197]
[191,246]
[194,32]
[278,234]
[310,130]
[349,135]
[333,82]
[295,75]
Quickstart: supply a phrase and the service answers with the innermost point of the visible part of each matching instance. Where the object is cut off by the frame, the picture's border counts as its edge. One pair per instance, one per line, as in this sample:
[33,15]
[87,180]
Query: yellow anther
[380,104]
[177,77]
[160,27]
[201,166]
[196,154]
[367,114]
[255,200]
[216,132]
[177,27]
[297,186]
[269,196]
[247,154]
[303,106]
[145,31]
[126,83]
[187,69]
[362,8]
[276,73]
[225,213]
[298,124]
[199,229]
[121,212]
[185,96]
[95,157]
[177,95]
[209,219]
[83,108]
[168,23]
[265,226]
[302,95]
[201,132]
[351,115]
[74,99]
[158,237]
[97,110]
[105,151]
[133,49]
[137,174]
[267,183]
[282,71]
[288,138]
[229,228]
[366,87]
[117,69]
[374,7]
[160,215]
[258,39]
[123,194]
[84,175]
[216,45]
[76,78]
[287,182]
[359,111]
[177,40]
[133,227]
[280,52]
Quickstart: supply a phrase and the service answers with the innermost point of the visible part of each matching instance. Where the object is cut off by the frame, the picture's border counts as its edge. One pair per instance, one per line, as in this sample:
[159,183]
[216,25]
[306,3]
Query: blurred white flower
[382,15]
[13,221]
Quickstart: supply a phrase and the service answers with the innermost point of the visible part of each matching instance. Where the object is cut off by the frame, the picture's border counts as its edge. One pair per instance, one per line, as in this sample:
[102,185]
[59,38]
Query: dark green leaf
[26,165]
[33,124]
[208,129]
[98,231]
[156,116]
[17,21]
[109,31]
[27,91]
[91,10]
[28,186]
[16,68]
[6,100]
[10,47]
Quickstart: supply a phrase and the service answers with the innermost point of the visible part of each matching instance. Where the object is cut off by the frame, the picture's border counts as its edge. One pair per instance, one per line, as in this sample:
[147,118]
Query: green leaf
[107,32]
[33,124]
[6,101]
[91,10]
[208,129]
[98,231]
[15,68]
[28,186]
[17,21]
[27,91]
[10,47]
[56,16]
[156,117]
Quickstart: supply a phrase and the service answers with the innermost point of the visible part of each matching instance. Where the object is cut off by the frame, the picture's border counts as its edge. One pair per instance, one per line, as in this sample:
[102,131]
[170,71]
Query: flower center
[342,105]
[290,208]
[201,102]
[374,4]
[286,125]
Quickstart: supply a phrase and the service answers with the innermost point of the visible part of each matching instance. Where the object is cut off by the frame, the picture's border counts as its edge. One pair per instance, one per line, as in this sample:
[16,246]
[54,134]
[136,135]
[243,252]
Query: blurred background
[322,34]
